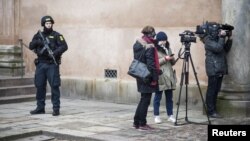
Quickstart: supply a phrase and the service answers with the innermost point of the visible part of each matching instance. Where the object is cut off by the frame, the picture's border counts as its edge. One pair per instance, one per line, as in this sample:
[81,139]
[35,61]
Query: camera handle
[185,75]
[179,56]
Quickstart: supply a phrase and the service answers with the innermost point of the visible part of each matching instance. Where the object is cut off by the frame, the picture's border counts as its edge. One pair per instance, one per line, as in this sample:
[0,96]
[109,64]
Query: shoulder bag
[139,70]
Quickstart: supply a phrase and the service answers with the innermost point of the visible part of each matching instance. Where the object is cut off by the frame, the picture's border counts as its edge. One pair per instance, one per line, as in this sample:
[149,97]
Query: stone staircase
[11,62]
[14,90]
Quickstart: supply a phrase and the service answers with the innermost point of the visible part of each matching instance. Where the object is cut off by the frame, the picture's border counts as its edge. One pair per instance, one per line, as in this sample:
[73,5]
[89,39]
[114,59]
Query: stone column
[9,21]
[11,61]
[234,98]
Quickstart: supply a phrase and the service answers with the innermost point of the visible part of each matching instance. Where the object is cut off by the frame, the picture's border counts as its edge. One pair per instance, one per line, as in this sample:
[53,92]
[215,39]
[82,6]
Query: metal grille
[110,73]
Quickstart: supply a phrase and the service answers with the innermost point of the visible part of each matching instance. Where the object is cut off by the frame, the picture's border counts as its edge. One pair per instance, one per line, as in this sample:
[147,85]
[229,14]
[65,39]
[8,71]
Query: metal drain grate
[110,73]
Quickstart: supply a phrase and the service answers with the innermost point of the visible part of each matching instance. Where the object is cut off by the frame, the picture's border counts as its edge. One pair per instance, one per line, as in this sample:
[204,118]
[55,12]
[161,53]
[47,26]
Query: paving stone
[94,120]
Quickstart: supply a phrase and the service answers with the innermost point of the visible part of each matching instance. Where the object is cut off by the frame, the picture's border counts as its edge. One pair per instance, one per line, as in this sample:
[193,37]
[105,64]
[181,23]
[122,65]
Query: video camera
[210,27]
[187,37]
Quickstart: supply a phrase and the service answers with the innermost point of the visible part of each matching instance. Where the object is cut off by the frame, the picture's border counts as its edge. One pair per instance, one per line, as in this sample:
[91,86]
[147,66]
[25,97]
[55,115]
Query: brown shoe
[146,127]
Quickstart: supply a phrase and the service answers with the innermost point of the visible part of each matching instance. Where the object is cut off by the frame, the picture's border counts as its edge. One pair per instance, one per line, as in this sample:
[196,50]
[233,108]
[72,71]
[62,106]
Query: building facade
[100,35]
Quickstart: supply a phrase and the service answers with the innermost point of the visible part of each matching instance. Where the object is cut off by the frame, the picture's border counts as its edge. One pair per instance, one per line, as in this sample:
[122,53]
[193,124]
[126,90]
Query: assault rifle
[46,47]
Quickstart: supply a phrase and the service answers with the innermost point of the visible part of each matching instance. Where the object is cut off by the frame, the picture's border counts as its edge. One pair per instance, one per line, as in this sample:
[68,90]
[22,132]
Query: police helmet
[46,19]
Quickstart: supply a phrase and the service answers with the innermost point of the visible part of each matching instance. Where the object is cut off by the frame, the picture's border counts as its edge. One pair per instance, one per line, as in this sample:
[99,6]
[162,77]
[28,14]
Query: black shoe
[135,126]
[56,113]
[215,115]
[37,111]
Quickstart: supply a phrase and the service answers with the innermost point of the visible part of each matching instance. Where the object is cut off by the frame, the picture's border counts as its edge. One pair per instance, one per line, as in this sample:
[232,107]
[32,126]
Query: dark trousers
[47,72]
[213,88]
[169,102]
[142,109]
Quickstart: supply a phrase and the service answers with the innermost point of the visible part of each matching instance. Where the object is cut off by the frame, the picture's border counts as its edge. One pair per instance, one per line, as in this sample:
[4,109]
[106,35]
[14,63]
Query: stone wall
[123,91]
[9,21]
[100,34]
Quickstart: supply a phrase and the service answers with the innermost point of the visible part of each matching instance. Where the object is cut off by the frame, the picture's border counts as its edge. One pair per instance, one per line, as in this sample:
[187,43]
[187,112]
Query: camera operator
[217,43]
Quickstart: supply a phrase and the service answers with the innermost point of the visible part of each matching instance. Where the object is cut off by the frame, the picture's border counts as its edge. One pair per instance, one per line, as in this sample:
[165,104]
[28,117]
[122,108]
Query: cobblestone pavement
[93,120]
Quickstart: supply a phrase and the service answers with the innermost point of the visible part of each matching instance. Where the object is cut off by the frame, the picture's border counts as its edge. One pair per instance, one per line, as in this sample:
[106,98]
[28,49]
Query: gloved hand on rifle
[38,43]
[56,53]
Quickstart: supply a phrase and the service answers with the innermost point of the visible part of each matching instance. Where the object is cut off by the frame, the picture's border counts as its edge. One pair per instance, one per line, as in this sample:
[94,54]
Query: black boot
[37,111]
[56,113]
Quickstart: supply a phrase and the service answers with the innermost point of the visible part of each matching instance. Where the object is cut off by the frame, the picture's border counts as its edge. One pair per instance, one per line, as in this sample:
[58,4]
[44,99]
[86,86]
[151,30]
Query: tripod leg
[181,84]
[186,83]
[197,81]
[186,118]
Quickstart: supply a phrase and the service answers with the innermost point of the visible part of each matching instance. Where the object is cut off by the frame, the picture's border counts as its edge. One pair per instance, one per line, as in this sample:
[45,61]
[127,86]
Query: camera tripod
[185,75]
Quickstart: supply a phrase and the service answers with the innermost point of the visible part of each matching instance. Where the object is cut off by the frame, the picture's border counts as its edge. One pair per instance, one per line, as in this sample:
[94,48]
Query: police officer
[47,65]
[217,44]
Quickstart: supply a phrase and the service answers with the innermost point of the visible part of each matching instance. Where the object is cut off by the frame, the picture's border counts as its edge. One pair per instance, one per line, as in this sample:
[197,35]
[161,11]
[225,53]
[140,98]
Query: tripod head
[186,51]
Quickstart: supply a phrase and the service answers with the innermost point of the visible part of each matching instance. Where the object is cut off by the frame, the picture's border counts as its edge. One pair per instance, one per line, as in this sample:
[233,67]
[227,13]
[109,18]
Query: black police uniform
[46,69]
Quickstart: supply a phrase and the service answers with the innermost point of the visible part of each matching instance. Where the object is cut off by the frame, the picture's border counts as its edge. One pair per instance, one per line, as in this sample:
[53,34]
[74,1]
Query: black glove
[56,53]
[229,33]
[38,43]
[42,51]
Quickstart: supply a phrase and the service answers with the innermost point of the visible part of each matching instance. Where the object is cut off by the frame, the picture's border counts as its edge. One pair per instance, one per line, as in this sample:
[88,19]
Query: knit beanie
[161,36]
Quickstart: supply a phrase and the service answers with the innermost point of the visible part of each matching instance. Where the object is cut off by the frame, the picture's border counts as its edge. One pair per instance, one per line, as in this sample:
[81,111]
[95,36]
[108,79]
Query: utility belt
[37,61]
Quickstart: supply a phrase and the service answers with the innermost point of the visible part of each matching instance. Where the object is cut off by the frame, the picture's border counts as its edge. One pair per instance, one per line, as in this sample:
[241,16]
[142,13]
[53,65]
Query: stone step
[38,138]
[17,90]
[11,61]
[10,49]
[20,98]
[16,81]
[12,71]
[14,63]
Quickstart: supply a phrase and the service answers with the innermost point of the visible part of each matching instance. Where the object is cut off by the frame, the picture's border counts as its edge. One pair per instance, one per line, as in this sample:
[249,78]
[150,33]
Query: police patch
[61,38]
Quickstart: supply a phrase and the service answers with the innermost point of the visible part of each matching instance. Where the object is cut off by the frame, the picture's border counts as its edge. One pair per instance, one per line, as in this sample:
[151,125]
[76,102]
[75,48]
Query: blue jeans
[169,102]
